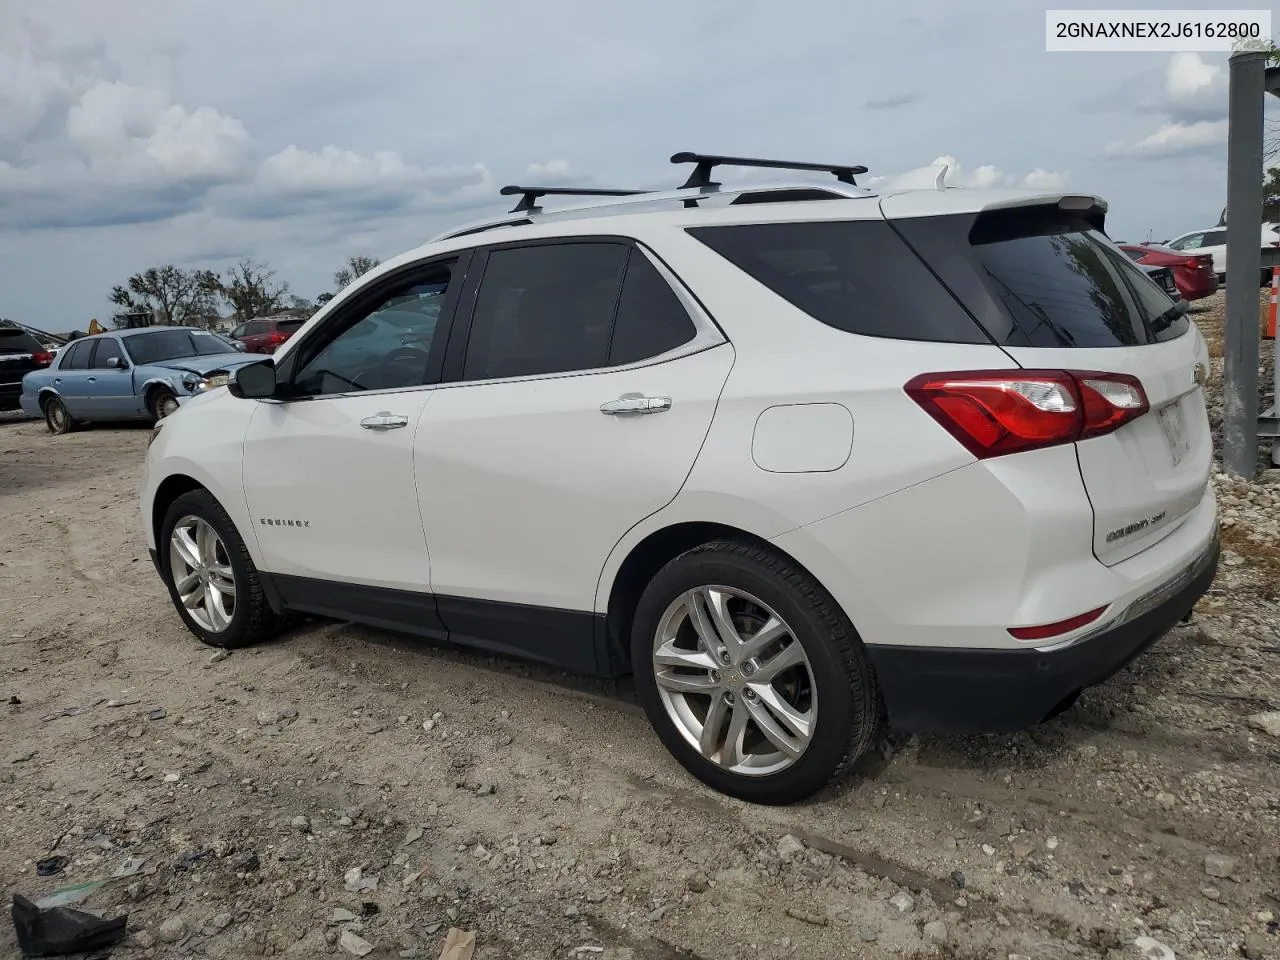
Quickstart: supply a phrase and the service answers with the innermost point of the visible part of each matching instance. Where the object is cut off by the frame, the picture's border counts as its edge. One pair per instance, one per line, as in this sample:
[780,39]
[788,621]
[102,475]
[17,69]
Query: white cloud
[1174,140]
[986,175]
[28,88]
[133,133]
[1195,90]
[1039,179]
[1193,105]
[552,171]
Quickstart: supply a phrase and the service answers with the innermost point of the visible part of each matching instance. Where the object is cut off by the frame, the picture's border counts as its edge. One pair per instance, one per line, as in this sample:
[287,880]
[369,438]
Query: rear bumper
[1195,286]
[9,394]
[951,690]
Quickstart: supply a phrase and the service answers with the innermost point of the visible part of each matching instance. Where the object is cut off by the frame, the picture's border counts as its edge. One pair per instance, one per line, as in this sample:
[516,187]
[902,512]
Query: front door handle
[92,380]
[384,421]
[636,403]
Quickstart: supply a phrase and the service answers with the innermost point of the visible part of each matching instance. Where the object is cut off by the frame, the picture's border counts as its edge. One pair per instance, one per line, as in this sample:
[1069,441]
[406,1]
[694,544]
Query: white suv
[802,458]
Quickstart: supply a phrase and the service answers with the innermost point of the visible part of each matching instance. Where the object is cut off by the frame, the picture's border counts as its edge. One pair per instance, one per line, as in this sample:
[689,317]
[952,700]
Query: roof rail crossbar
[529,195]
[706,162]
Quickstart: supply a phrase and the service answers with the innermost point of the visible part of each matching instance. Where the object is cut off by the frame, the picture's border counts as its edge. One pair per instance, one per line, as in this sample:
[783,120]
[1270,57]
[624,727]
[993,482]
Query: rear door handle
[92,380]
[384,421]
[636,403]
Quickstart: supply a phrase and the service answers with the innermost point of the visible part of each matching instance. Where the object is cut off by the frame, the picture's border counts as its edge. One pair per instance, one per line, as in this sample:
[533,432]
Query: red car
[1193,275]
[264,334]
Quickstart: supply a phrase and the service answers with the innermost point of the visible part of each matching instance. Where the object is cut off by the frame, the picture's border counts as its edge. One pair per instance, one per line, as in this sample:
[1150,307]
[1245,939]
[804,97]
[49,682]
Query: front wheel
[751,675]
[163,403]
[211,578]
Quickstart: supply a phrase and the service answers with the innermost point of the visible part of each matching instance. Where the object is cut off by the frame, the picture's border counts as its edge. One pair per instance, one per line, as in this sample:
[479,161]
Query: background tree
[168,294]
[252,291]
[354,268]
[323,299]
[1271,196]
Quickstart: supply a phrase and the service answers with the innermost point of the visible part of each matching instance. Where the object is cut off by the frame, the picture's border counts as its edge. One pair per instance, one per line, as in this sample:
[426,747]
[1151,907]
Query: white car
[803,458]
[1213,242]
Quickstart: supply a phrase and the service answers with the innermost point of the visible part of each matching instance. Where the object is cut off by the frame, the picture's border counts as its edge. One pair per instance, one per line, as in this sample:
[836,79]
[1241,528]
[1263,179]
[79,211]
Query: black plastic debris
[156,714]
[15,701]
[51,866]
[58,931]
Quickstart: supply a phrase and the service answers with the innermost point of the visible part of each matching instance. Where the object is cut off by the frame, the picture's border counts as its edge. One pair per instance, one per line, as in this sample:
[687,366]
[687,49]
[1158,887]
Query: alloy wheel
[735,681]
[202,574]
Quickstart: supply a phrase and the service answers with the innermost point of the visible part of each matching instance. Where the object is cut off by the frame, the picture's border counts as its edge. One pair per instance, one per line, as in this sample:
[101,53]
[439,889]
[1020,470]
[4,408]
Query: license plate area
[1174,427]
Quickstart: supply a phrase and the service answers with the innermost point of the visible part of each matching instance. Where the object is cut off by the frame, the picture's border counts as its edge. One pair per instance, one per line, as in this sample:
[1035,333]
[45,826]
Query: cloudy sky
[141,132]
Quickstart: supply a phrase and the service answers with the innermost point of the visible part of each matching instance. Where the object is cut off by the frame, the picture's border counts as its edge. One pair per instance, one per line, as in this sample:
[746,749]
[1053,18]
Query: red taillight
[276,337]
[42,357]
[996,412]
[1046,630]
[1205,263]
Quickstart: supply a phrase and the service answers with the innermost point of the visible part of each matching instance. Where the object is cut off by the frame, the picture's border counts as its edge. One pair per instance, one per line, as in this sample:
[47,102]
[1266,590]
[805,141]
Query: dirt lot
[539,811]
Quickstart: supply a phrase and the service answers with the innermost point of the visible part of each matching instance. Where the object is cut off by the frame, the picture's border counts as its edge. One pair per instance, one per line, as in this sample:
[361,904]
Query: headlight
[201,384]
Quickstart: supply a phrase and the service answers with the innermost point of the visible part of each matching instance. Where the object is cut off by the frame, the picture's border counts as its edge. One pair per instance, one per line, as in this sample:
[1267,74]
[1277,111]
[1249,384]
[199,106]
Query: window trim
[358,303]
[707,332]
[93,359]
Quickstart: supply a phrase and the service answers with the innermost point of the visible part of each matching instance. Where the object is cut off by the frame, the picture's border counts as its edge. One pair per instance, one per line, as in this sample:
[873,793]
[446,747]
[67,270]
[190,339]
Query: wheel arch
[169,490]
[153,383]
[646,558]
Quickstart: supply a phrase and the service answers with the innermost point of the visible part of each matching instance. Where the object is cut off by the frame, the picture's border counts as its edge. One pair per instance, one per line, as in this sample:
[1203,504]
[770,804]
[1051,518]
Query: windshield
[165,345]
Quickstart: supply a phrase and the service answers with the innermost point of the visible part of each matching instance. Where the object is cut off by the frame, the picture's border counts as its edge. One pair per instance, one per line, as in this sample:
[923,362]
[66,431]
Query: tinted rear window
[18,341]
[1039,278]
[857,276]
[289,326]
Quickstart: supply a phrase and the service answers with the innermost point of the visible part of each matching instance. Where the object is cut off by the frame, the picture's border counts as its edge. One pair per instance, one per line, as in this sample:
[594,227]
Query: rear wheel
[211,578]
[751,675]
[57,417]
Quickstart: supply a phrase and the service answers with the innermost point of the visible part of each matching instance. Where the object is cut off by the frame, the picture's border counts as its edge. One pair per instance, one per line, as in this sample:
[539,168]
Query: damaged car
[140,374]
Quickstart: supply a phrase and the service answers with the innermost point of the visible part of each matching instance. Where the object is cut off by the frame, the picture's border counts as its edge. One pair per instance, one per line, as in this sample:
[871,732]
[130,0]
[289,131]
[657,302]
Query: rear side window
[289,326]
[76,356]
[651,318]
[857,276]
[1041,278]
[545,309]
[18,341]
[1214,238]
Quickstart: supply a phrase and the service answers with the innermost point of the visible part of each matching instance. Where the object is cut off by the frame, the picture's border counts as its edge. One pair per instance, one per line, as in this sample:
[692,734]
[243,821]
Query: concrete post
[1244,262]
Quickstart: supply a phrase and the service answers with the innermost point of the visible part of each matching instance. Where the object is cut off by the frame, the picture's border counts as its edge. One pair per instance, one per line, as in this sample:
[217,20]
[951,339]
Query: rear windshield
[165,345]
[289,325]
[854,275]
[18,341]
[1040,278]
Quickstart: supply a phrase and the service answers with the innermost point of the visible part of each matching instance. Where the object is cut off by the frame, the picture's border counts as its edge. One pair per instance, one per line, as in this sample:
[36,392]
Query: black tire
[850,713]
[253,619]
[57,417]
[162,402]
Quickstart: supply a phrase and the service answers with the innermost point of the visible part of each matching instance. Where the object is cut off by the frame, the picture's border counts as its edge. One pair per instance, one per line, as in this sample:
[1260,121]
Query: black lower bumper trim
[943,690]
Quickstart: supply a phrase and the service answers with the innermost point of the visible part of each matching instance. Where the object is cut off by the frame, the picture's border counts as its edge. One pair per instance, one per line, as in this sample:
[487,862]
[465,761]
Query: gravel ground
[343,789]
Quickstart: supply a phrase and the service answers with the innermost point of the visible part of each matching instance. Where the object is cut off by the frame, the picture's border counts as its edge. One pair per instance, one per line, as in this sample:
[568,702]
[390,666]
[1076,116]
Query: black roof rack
[529,195]
[701,176]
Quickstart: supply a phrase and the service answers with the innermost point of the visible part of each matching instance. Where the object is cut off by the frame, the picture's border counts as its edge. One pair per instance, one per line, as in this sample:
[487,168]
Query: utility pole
[1244,261]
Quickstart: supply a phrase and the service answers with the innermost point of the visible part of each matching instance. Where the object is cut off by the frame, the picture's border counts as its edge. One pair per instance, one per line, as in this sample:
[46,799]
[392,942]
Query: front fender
[205,444]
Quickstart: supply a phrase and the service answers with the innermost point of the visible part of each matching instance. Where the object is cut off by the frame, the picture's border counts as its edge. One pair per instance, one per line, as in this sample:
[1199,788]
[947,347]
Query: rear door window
[1214,238]
[545,308]
[651,319]
[76,356]
[1043,278]
[857,276]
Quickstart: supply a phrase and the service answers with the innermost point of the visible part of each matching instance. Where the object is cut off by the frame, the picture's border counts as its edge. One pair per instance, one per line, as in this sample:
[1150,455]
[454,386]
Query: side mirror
[115,363]
[240,345]
[253,381]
